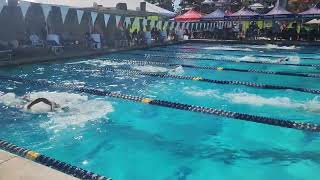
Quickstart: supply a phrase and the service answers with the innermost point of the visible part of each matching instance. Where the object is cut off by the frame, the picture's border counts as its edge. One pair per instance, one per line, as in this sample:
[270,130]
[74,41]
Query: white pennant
[24,6]
[152,24]
[64,12]
[2,3]
[79,15]
[118,18]
[106,19]
[128,21]
[159,25]
[94,16]
[178,25]
[144,22]
[165,26]
[46,10]
[183,25]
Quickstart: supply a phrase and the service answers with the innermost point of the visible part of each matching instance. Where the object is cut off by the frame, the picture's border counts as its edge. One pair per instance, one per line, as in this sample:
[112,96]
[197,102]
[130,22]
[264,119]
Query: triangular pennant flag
[156,24]
[79,15]
[24,6]
[135,23]
[106,19]
[64,12]
[2,3]
[118,18]
[178,25]
[165,25]
[46,10]
[94,16]
[152,24]
[127,21]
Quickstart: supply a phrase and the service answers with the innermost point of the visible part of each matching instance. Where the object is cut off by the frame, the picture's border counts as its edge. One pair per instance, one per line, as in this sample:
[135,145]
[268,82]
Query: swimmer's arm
[44,100]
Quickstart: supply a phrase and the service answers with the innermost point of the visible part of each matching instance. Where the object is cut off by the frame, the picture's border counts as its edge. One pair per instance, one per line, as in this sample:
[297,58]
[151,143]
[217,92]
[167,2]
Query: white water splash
[148,68]
[291,59]
[177,71]
[273,46]
[227,48]
[80,109]
[256,100]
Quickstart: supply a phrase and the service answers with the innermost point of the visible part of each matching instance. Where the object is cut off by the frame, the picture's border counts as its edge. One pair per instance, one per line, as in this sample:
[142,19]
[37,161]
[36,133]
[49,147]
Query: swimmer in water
[53,105]
[25,102]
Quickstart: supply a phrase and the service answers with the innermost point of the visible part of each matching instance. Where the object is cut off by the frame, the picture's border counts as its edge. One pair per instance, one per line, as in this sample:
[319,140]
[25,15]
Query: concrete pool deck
[13,167]
[77,53]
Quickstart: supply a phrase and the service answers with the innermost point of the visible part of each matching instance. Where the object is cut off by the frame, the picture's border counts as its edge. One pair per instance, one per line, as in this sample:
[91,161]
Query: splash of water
[80,108]
[256,100]
[151,69]
[227,48]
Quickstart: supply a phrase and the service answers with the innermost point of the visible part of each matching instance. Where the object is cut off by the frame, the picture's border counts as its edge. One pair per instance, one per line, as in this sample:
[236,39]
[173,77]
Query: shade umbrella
[218,14]
[243,14]
[314,22]
[190,16]
[256,6]
[278,12]
[312,12]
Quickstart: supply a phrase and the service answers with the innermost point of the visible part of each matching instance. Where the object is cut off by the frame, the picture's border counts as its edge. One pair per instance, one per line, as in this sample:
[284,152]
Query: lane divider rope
[173,105]
[238,55]
[220,59]
[201,79]
[50,162]
[143,63]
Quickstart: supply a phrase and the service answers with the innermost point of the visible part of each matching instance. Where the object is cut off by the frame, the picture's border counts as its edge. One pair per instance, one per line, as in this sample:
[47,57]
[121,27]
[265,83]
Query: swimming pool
[128,140]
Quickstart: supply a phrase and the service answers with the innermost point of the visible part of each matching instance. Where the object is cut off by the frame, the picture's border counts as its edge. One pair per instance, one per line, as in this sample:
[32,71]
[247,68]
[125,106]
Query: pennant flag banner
[172,25]
[94,16]
[187,25]
[183,25]
[135,23]
[144,22]
[106,19]
[152,24]
[24,6]
[178,25]
[165,25]
[79,15]
[46,10]
[127,21]
[64,12]
[2,3]
[118,18]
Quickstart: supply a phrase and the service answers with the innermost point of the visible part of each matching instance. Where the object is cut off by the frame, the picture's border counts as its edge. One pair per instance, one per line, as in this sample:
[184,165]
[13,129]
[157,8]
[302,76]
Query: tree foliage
[165,4]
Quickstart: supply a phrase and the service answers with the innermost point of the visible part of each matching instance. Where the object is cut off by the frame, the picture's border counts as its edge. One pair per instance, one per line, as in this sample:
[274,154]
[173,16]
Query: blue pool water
[127,140]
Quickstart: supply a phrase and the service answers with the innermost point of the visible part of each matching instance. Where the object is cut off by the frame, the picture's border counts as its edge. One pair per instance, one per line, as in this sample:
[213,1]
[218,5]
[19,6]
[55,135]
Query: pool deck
[13,167]
[71,53]
[257,42]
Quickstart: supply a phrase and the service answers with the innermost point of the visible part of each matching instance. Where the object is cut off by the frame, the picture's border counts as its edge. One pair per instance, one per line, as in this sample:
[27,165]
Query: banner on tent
[64,12]
[106,19]
[24,6]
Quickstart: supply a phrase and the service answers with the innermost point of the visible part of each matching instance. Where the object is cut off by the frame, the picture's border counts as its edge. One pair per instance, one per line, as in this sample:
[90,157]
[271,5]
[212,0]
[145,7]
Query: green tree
[165,4]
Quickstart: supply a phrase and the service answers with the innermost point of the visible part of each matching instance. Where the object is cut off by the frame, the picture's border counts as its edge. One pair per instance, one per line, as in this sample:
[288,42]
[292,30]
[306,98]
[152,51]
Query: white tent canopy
[131,4]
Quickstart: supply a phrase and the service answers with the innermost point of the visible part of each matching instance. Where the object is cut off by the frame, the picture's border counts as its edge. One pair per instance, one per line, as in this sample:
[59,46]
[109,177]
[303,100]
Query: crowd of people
[277,31]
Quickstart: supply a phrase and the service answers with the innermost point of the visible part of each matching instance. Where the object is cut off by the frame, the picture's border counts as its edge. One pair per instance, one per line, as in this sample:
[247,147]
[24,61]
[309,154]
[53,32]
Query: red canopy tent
[190,16]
